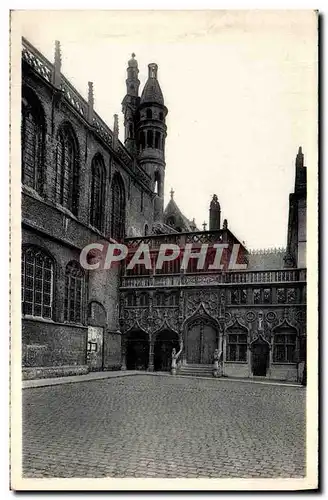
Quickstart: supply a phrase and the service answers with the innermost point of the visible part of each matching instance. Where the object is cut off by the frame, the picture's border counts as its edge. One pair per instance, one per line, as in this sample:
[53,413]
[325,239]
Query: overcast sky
[240,87]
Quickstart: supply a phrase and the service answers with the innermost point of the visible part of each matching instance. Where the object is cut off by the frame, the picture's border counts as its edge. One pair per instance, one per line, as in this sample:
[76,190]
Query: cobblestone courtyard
[162,426]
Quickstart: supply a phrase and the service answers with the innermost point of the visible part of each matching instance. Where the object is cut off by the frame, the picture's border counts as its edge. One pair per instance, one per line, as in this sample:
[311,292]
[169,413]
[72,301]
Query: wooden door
[209,344]
[260,358]
[194,343]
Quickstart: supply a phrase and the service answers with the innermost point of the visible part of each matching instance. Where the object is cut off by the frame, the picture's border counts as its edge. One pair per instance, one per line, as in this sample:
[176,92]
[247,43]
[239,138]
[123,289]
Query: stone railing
[74,98]
[102,129]
[37,61]
[45,68]
[198,279]
[180,239]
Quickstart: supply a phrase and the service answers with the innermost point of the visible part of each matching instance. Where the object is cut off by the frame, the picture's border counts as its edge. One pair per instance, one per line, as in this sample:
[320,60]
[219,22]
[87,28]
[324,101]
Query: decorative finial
[204,225]
[90,93]
[215,203]
[172,193]
[133,63]
[225,224]
[115,129]
[152,70]
[90,101]
[57,54]
[56,75]
[300,158]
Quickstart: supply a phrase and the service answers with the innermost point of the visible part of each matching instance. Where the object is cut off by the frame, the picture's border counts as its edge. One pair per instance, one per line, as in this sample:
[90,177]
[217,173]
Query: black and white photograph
[164,200]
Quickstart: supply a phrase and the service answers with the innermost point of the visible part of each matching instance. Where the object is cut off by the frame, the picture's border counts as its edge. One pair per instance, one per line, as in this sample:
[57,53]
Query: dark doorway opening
[164,344]
[260,357]
[137,351]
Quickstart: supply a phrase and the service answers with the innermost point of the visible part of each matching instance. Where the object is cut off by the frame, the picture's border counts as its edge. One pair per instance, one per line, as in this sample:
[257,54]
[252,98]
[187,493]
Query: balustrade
[197,279]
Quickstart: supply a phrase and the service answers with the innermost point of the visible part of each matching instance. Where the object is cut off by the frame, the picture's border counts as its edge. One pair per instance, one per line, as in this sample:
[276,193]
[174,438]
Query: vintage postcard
[164,223]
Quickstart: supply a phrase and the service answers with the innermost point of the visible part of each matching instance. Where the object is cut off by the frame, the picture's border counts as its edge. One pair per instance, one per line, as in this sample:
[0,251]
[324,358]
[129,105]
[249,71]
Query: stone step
[196,370]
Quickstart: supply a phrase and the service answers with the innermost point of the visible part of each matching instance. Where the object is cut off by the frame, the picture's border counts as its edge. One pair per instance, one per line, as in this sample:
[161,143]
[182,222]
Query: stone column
[123,353]
[269,371]
[151,354]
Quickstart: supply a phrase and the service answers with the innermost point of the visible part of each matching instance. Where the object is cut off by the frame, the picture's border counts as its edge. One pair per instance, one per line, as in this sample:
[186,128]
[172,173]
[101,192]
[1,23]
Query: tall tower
[215,214]
[130,104]
[151,133]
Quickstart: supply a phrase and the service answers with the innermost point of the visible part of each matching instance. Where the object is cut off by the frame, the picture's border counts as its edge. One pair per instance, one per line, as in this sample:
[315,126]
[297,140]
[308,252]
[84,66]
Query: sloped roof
[182,221]
[152,92]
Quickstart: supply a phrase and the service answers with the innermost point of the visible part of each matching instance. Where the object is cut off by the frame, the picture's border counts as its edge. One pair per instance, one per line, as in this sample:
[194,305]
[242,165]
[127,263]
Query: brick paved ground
[154,426]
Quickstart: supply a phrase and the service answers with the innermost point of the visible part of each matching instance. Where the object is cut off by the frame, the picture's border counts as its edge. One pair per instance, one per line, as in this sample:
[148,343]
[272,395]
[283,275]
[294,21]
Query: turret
[130,104]
[215,214]
[151,133]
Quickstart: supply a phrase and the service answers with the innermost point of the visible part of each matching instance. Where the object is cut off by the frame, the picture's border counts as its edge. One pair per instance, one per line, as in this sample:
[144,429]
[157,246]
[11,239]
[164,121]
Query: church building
[82,185]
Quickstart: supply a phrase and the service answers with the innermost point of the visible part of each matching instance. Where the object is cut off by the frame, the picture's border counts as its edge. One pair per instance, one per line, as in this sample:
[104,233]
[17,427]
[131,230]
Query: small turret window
[161,116]
[142,140]
[157,183]
[157,140]
[149,114]
[149,138]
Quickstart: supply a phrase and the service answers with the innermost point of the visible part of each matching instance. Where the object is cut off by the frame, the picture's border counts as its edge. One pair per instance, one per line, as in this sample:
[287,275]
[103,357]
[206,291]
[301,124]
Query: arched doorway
[201,342]
[137,350]
[165,341]
[260,357]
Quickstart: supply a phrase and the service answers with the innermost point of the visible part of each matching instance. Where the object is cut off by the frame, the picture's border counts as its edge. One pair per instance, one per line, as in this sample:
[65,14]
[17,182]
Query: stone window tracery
[32,138]
[97,208]
[236,346]
[66,191]
[37,283]
[74,293]
[118,208]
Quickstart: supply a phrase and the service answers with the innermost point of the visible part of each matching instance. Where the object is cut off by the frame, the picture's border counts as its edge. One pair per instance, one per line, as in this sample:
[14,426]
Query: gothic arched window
[118,208]
[74,292]
[37,282]
[67,169]
[32,139]
[97,193]
[146,230]
[149,114]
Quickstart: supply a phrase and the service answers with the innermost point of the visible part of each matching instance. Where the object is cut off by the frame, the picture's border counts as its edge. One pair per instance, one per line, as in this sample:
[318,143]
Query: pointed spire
[56,72]
[300,158]
[172,193]
[90,102]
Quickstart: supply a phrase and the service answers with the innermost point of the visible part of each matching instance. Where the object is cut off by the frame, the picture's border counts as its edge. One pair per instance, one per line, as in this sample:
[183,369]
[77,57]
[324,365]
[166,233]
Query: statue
[217,358]
[175,357]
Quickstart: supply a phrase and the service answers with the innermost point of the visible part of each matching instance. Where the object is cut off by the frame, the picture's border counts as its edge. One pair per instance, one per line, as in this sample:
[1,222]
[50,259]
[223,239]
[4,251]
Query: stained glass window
[97,193]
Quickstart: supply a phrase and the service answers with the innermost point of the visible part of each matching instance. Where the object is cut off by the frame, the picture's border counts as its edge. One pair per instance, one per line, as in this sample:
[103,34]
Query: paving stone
[144,426]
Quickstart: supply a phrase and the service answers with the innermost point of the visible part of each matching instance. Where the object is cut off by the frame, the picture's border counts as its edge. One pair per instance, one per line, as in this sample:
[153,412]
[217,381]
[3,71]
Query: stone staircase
[196,370]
